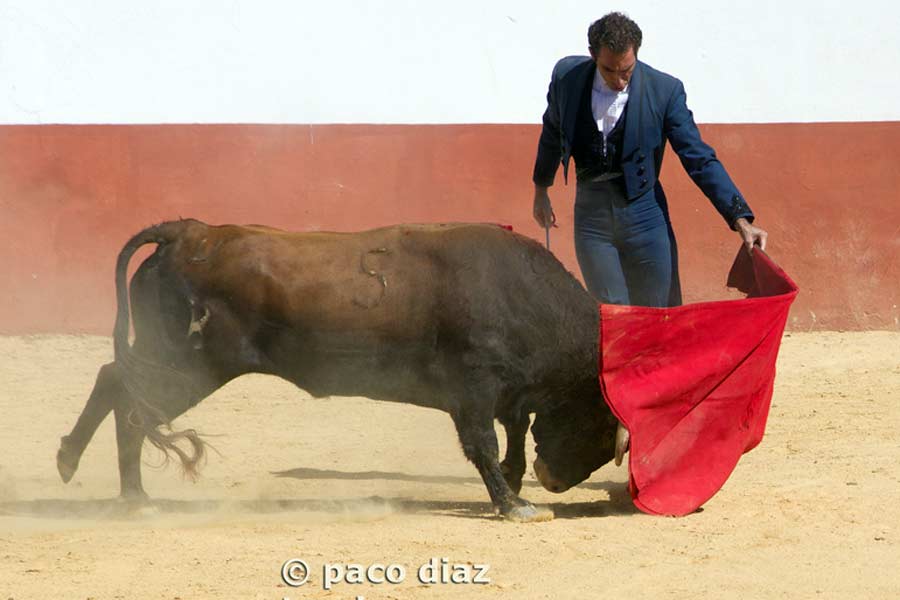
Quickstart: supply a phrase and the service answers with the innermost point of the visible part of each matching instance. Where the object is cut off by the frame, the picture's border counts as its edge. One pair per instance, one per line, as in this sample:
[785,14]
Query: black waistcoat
[592,157]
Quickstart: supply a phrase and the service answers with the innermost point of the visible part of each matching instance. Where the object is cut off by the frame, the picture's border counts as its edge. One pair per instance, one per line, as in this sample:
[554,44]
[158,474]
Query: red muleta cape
[693,383]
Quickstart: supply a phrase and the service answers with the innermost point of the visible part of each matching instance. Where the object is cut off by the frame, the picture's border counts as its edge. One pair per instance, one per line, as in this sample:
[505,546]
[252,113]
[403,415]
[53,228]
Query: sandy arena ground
[814,512]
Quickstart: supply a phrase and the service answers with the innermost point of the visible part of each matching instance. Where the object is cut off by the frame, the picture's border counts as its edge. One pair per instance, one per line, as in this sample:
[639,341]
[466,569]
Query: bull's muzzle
[550,483]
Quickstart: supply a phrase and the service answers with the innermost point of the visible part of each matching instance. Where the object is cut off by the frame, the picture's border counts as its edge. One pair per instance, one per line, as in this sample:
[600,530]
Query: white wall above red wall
[469,61]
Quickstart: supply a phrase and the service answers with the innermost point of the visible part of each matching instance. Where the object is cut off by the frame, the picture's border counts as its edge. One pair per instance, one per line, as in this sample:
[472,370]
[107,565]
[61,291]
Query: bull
[474,320]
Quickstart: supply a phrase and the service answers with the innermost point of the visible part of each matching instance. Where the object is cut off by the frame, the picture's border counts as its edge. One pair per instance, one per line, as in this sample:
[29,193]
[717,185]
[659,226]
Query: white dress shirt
[607,104]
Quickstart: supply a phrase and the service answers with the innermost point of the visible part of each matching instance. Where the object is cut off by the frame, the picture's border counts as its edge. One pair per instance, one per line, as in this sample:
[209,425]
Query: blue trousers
[626,251]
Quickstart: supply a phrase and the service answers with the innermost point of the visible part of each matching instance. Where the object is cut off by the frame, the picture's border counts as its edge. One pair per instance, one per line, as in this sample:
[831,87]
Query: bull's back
[366,278]
[384,311]
[322,280]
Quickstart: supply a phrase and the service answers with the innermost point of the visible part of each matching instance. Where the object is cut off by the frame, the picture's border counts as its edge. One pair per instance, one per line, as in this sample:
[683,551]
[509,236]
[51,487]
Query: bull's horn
[622,440]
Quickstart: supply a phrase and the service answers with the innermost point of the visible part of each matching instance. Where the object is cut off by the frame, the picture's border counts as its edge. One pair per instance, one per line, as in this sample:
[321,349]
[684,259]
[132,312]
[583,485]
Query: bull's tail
[141,377]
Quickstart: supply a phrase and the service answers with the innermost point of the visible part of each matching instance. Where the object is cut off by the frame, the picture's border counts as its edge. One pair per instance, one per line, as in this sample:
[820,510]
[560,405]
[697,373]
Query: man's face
[616,69]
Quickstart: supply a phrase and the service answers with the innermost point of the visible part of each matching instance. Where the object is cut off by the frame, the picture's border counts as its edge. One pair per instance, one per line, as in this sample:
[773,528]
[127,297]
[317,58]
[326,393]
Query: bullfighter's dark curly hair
[616,32]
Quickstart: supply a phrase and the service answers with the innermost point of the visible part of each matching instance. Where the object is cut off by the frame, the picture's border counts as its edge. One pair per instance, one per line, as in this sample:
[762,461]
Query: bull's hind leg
[108,395]
[130,441]
[106,389]
[479,442]
[513,465]
[134,425]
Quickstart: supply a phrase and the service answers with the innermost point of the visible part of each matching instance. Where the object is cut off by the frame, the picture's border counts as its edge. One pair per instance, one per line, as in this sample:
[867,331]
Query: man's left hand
[751,234]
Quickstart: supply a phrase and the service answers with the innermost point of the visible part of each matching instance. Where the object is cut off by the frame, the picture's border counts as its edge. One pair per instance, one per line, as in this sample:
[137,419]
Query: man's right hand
[543,211]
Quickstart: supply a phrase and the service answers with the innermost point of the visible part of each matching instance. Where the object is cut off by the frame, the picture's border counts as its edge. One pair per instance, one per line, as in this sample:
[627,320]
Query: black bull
[474,320]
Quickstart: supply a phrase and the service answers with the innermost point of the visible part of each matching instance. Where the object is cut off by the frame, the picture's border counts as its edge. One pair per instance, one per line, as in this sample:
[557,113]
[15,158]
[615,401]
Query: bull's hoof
[528,513]
[141,510]
[146,511]
[136,497]
[66,460]
[138,505]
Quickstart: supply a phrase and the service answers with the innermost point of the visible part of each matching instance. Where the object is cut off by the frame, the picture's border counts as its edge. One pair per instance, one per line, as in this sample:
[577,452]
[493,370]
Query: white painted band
[470,61]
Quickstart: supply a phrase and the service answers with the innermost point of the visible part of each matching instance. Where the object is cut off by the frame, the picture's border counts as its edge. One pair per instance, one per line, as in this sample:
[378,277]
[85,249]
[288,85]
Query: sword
[547,230]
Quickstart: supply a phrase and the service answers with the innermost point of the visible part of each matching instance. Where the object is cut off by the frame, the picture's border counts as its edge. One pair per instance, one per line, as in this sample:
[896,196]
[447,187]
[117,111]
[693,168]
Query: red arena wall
[71,195]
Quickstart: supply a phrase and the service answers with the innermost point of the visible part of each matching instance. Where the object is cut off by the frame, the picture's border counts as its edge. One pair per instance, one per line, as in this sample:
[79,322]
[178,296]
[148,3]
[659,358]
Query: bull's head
[573,438]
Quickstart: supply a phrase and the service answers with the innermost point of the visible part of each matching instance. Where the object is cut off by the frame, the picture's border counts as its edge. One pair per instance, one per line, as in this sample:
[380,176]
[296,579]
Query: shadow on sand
[619,502]
[319,474]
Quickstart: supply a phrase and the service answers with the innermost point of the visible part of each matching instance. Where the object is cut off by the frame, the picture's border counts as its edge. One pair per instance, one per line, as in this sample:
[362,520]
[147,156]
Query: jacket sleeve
[549,148]
[700,161]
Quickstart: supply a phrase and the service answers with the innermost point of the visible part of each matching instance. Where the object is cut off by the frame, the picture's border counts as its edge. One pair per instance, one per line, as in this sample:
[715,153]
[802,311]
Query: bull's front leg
[479,443]
[513,465]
